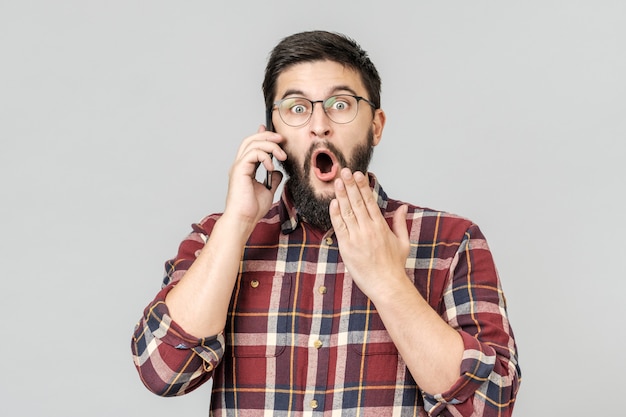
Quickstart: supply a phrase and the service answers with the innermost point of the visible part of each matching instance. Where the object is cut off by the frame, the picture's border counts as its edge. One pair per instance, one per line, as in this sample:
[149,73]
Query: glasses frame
[275,106]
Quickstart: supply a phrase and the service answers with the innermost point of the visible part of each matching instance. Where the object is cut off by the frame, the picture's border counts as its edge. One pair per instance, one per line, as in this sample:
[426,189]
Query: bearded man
[336,299]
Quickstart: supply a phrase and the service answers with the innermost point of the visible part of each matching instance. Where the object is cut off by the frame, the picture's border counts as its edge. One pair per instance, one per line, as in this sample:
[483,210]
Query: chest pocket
[367,334]
[259,315]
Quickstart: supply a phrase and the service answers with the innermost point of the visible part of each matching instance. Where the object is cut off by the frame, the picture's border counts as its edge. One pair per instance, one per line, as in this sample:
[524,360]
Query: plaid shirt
[302,339]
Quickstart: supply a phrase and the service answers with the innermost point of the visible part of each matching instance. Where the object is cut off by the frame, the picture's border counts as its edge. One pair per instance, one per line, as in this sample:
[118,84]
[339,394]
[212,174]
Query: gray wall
[119,120]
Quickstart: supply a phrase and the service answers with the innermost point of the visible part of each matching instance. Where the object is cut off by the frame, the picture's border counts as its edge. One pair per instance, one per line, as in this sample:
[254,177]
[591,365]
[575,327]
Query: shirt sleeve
[475,306]
[170,361]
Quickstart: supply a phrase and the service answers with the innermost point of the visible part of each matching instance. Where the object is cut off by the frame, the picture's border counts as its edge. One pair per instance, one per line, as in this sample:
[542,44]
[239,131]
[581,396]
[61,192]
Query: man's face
[317,150]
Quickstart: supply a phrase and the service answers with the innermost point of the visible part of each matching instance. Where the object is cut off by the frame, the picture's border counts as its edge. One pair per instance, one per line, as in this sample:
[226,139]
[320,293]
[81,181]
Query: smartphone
[270,127]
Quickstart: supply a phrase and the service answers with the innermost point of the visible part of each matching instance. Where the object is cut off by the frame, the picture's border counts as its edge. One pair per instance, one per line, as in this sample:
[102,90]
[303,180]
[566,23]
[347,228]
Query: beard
[314,208]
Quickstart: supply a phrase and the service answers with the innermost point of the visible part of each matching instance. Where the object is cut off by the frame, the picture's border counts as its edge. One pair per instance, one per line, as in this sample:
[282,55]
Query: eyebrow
[335,90]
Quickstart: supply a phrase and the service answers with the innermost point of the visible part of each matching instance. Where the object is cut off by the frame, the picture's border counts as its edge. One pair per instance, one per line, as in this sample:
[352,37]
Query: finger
[266,141]
[264,145]
[345,206]
[399,226]
[369,201]
[336,219]
[259,157]
[355,194]
[249,162]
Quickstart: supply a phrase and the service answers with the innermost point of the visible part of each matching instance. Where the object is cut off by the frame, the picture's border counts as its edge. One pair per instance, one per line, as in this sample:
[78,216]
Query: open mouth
[324,165]
[324,162]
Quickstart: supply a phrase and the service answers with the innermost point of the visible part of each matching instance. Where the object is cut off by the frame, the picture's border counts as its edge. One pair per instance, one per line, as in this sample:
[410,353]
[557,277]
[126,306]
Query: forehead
[318,79]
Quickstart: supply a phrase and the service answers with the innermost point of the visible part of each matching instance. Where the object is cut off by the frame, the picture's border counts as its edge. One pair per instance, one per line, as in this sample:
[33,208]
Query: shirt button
[329,240]
[318,344]
[314,404]
[322,290]
[254,283]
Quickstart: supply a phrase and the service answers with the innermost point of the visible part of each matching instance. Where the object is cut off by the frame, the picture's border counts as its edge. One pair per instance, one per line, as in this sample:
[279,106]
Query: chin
[324,190]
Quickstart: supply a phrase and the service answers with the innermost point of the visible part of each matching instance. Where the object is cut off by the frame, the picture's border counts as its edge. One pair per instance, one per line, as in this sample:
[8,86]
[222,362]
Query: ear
[378,124]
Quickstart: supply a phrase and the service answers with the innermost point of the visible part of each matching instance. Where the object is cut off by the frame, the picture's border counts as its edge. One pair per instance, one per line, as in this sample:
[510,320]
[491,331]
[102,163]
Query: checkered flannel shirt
[302,339]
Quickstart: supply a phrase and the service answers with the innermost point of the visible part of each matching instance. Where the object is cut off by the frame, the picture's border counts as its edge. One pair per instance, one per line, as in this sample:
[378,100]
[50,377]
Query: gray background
[119,120]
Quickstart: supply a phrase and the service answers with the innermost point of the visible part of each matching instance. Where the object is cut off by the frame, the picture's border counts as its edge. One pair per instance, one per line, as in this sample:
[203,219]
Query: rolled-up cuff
[477,364]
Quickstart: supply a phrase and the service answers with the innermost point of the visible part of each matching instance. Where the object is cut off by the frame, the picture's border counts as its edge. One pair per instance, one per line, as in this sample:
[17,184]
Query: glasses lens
[295,111]
[341,109]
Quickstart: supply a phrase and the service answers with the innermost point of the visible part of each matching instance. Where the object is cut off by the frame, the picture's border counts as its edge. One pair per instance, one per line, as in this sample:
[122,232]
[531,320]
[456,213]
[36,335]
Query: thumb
[399,226]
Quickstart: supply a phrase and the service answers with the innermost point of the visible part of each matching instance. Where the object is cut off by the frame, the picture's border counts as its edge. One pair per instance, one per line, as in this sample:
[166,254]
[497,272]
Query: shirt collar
[289,218]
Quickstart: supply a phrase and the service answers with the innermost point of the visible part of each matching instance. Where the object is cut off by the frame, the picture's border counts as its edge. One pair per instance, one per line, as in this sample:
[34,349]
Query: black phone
[270,127]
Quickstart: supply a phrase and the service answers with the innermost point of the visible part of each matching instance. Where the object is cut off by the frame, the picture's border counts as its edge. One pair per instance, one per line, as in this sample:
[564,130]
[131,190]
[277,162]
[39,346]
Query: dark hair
[319,46]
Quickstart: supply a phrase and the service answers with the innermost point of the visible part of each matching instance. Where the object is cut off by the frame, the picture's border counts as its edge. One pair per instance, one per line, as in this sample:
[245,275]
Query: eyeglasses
[297,111]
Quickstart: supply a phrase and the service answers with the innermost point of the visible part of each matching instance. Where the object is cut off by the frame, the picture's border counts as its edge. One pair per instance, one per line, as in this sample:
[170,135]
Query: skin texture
[374,254]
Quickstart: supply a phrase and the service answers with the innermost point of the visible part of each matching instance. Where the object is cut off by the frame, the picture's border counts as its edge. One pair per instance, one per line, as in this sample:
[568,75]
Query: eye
[295,106]
[337,103]
[298,108]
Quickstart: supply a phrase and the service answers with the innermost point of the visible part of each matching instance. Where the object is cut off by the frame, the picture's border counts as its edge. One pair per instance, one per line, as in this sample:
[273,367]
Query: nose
[319,123]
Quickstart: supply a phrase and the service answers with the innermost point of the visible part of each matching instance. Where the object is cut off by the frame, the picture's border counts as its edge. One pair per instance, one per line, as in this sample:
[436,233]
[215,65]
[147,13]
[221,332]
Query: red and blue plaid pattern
[301,339]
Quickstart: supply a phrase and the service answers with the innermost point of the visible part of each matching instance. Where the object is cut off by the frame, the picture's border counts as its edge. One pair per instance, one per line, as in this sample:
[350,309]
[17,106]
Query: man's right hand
[248,200]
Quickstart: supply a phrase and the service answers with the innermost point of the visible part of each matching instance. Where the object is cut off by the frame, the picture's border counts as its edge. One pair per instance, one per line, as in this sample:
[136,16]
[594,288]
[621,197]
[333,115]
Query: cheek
[293,164]
[294,152]
[292,156]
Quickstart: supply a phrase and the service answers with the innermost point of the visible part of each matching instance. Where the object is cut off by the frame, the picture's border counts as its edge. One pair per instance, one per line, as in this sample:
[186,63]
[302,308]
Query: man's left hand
[373,252]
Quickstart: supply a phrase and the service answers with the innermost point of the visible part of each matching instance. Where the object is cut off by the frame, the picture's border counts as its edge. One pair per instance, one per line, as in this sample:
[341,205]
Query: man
[336,300]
